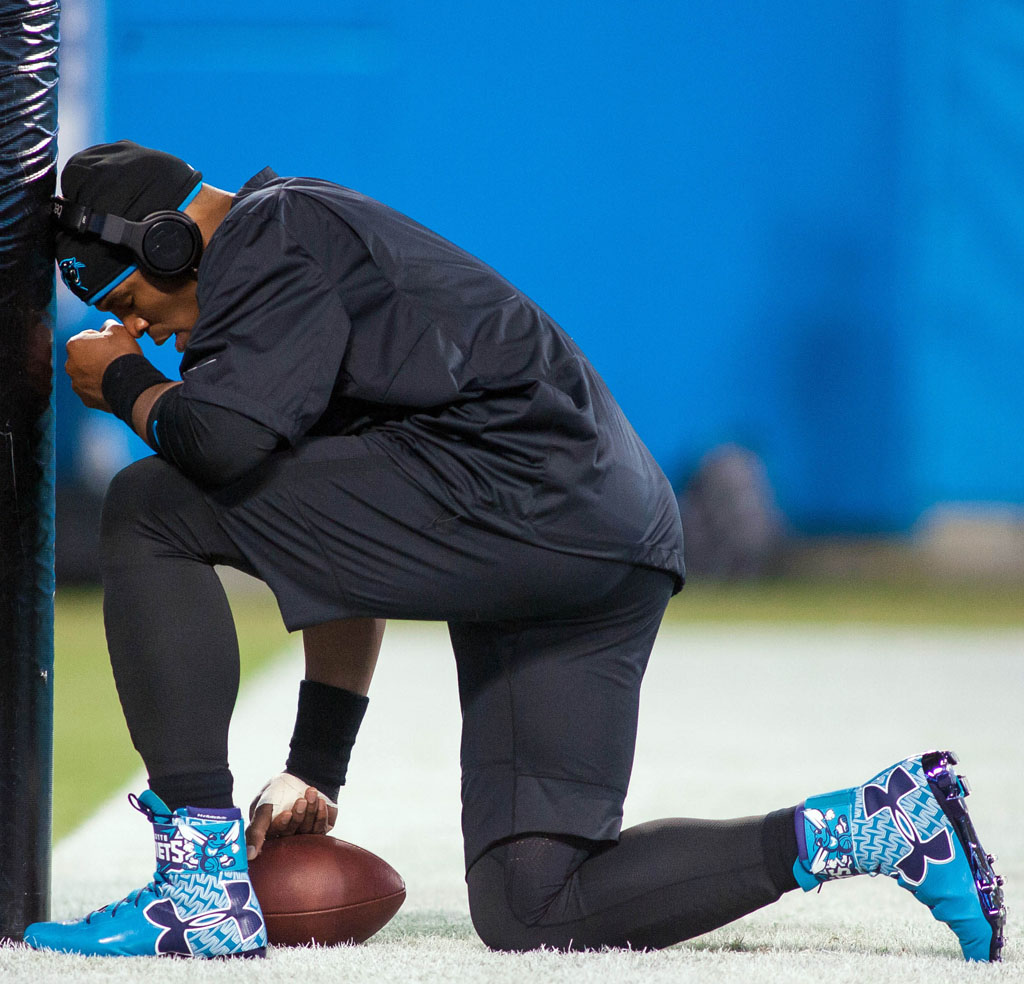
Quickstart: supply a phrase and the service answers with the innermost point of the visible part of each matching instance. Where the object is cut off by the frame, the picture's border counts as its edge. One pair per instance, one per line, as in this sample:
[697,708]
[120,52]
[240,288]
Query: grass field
[738,717]
[900,601]
[93,754]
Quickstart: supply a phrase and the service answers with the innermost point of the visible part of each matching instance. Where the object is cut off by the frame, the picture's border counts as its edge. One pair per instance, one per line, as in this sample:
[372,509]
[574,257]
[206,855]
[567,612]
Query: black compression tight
[175,659]
[663,882]
[170,631]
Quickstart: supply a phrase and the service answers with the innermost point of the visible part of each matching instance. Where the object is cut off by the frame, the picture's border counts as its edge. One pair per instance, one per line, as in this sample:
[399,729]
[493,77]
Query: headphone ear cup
[171,244]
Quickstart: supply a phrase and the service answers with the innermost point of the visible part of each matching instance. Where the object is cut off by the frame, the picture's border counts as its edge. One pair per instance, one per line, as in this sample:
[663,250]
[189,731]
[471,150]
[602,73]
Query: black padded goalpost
[28,160]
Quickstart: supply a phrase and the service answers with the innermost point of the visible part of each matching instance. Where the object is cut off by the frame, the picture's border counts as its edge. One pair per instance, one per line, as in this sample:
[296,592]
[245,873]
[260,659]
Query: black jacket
[323,312]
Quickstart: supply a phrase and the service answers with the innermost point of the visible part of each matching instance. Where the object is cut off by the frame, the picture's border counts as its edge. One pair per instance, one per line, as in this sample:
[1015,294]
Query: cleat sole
[255,953]
[949,790]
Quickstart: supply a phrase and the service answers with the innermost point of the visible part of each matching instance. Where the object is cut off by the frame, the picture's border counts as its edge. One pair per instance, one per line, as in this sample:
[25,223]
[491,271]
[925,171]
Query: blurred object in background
[973,540]
[732,526]
[960,543]
[99,446]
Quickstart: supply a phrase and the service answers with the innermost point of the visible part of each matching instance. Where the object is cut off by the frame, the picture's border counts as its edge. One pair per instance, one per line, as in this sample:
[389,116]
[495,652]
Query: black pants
[660,883]
[551,648]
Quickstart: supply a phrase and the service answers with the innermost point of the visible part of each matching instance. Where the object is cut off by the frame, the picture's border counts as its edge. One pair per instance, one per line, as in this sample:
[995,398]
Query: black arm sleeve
[212,445]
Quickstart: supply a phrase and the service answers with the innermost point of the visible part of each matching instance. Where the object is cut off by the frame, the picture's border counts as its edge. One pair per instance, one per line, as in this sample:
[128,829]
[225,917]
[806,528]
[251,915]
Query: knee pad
[520,891]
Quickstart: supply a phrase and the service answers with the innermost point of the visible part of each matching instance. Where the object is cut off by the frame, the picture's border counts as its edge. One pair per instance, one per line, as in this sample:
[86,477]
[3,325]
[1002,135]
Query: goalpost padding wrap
[28,135]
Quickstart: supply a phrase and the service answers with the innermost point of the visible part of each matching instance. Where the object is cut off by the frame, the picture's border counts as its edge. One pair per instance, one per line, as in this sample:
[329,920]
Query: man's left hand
[89,354]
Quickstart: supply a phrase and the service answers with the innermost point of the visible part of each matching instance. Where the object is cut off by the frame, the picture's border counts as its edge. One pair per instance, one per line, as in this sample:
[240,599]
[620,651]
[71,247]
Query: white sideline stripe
[734,721]
[416,734]
[112,852]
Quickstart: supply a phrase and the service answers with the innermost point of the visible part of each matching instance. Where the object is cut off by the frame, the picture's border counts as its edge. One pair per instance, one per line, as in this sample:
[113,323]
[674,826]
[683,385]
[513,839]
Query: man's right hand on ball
[286,805]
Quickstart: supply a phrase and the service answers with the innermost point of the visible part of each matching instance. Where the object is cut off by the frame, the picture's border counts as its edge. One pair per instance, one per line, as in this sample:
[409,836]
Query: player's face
[159,309]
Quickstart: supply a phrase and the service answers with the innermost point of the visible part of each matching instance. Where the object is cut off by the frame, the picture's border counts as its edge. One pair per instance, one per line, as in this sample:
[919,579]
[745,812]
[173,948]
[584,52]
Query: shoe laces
[132,898]
[149,814]
[159,878]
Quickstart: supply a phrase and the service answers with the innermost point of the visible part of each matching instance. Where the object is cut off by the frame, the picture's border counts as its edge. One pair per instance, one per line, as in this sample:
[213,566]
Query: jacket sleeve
[273,330]
[211,445]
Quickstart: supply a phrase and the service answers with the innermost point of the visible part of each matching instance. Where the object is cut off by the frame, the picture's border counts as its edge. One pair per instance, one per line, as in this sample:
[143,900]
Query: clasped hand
[89,354]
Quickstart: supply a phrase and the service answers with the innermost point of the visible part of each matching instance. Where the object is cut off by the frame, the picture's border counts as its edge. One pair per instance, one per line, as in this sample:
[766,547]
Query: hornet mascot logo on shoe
[214,851]
[833,845]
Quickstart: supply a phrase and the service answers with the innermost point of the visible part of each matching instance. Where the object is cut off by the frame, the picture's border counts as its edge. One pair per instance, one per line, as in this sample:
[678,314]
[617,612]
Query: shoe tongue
[210,813]
[151,801]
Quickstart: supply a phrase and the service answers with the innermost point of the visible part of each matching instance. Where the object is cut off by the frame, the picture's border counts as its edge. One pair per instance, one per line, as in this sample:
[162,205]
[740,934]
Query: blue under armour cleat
[200,902]
[910,822]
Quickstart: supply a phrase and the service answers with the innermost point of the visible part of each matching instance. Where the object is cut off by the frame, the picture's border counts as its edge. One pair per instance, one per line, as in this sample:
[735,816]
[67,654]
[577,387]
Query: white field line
[734,721]
[402,793]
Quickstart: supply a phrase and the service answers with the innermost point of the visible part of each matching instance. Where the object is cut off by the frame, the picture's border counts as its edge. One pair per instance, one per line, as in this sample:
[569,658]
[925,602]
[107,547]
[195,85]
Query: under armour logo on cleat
[164,913]
[939,849]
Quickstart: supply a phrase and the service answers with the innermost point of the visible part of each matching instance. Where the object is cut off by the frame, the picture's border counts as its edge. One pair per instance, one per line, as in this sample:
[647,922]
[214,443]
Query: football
[317,889]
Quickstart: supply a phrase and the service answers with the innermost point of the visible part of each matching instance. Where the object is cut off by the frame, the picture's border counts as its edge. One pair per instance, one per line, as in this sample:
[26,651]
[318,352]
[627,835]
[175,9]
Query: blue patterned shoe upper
[200,902]
[901,829]
[894,825]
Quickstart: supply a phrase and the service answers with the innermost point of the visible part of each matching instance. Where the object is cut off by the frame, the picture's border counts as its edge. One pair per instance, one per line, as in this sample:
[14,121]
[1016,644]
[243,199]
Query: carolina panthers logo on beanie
[70,272]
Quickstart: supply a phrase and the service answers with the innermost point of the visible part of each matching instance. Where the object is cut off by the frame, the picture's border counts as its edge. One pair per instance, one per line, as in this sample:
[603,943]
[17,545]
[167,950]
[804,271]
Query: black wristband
[124,381]
[326,725]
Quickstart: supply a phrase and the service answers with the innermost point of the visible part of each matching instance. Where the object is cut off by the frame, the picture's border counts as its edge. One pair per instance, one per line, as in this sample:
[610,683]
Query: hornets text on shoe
[909,822]
[200,902]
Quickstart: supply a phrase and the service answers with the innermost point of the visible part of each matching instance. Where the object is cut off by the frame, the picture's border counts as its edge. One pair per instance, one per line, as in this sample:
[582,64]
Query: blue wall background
[795,225]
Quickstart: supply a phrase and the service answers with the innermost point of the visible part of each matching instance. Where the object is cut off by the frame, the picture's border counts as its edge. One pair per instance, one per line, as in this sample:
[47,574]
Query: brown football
[318,889]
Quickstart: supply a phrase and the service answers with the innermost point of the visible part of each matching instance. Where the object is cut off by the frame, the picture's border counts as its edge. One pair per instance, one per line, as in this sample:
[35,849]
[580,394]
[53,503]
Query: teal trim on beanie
[124,179]
[103,291]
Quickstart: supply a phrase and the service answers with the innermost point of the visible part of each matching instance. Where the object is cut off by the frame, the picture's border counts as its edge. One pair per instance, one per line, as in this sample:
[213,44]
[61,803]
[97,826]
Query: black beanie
[121,179]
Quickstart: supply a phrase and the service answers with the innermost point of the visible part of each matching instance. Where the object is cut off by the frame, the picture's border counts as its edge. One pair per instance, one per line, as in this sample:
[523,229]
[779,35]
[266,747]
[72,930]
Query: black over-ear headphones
[166,244]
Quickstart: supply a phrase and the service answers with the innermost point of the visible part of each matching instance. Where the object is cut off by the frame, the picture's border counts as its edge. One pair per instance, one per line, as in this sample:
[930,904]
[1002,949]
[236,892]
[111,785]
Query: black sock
[211,789]
[778,839]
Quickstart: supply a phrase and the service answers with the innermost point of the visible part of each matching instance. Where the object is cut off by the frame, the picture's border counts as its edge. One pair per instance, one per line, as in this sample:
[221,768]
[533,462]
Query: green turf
[92,753]
[909,601]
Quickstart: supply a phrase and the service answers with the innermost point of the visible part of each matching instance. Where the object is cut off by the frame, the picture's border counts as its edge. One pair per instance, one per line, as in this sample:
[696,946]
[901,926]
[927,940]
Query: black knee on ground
[522,892]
